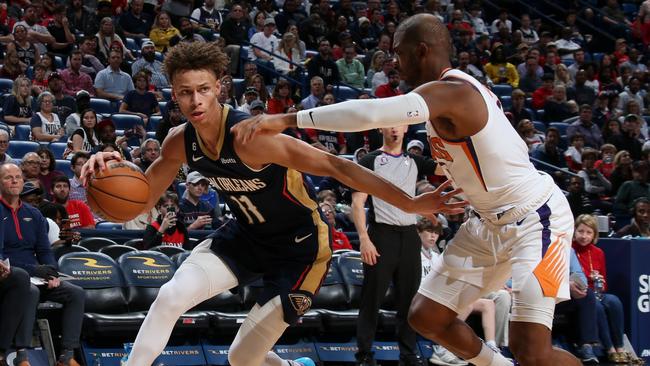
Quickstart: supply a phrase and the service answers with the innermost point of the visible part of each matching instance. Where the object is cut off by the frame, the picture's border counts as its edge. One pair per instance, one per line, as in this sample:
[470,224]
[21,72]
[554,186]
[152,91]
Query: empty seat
[561,126]
[57,148]
[136,243]
[167,93]
[116,250]
[65,249]
[539,126]
[65,167]
[6,85]
[18,149]
[168,250]
[123,121]
[102,106]
[502,89]
[95,243]
[345,92]
[153,123]
[107,225]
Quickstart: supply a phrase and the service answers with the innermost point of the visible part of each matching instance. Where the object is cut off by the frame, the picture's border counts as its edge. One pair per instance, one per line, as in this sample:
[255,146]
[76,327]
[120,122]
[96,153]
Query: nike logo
[195,159]
[312,118]
[520,221]
[298,240]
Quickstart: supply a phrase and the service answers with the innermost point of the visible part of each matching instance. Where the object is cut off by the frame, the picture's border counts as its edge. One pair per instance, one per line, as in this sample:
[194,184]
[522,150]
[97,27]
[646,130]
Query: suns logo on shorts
[301,303]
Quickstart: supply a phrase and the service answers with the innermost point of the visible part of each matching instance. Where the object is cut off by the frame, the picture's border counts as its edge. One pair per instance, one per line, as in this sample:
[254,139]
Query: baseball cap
[54,75]
[251,89]
[269,21]
[82,94]
[195,177]
[364,20]
[146,44]
[415,143]
[105,122]
[257,104]
[30,188]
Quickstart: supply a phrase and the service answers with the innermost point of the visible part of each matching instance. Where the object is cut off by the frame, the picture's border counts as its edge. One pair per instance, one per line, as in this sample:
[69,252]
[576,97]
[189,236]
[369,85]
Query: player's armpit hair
[195,56]
[366,114]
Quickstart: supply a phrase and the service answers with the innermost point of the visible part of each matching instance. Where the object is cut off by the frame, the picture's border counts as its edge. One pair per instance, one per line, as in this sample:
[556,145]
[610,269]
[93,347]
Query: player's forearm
[366,114]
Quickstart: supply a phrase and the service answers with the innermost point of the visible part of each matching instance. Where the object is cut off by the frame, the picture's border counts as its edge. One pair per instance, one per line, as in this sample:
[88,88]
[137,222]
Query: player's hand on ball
[438,202]
[97,162]
[267,124]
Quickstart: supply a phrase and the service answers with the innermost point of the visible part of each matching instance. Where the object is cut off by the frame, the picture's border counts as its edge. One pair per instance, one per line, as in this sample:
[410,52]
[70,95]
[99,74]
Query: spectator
[317,92]
[46,126]
[228,90]
[585,126]
[171,118]
[323,65]
[530,81]
[106,135]
[632,92]
[391,88]
[518,109]
[529,134]
[162,31]
[614,18]
[266,44]
[77,190]
[27,246]
[235,31]
[208,16]
[640,225]
[74,79]
[544,92]
[580,92]
[330,141]
[339,239]
[351,69]
[78,212]
[187,33]
[196,213]
[557,108]
[147,61]
[47,170]
[31,167]
[4,145]
[250,95]
[550,153]
[606,164]
[596,185]
[622,169]
[59,28]
[73,122]
[90,62]
[113,83]
[562,76]
[302,48]
[106,36]
[257,108]
[632,107]
[499,70]
[601,111]
[63,104]
[49,61]
[609,309]
[149,152]
[529,34]
[28,54]
[257,82]
[629,137]
[82,19]
[389,247]
[287,49]
[577,197]
[258,24]
[12,67]
[167,228]
[376,65]
[465,66]
[140,101]
[501,20]
[633,189]
[84,139]
[14,293]
[573,154]
[59,232]
[381,78]
[280,98]
[135,23]
[39,35]
[18,106]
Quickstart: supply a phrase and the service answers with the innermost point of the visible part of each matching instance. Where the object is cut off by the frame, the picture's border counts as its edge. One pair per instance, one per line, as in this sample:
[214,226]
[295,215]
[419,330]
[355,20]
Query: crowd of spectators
[578,99]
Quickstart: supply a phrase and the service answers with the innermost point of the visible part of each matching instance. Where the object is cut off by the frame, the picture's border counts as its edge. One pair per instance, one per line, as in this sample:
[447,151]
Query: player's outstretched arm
[292,153]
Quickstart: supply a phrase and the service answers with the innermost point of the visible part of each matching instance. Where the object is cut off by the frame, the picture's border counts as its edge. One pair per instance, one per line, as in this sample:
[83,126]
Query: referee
[390,246]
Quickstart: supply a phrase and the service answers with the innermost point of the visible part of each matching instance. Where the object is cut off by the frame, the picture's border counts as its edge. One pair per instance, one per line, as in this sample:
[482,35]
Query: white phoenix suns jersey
[492,166]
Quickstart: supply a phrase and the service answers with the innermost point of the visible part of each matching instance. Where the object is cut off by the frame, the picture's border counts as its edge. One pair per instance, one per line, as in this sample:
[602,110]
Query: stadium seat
[163,107]
[57,148]
[65,249]
[239,85]
[167,93]
[59,62]
[630,9]
[18,149]
[23,133]
[344,93]
[102,106]
[168,250]
[154,121]
[116,250]
[561,126]
[131,44]
[125,121]
[540,126]
[95,243]
[6,85]
[180,189]
[107,225]
[596,57]
[65,167]
[179,258]
[332,294]
[502,89]
[506,102]
[136,243]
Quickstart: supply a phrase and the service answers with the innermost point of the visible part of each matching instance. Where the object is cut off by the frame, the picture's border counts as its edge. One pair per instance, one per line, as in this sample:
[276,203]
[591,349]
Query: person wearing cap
[264,45]
[351,69]
[74,79]
[250,95]
[27,52]
[415,147]
[148,61]
[27,246]
[257,108]
[196,213]
[136,23]
[113,83]
[63,104]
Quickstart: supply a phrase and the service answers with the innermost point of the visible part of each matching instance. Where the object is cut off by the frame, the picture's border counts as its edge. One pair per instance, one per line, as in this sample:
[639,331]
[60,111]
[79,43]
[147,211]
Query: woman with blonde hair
[257,82]
[287,49]
[562,75]
[106,36]
[163,31]
[18,106]
[376,62]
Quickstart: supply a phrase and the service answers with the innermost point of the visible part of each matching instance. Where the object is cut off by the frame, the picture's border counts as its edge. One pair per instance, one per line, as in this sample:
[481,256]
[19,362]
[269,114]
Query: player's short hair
[196,56]
[590,221]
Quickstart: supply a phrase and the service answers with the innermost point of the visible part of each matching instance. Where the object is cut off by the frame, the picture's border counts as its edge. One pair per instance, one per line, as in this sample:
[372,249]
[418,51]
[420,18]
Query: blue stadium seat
[630,9]
[163,107]
[502,89]
[142,288]
[596,57]
[168,250]
[344,93]
[568,61]
[17,149]
[540,126]
[180,189]
[239,85]
[167,93]
[115,251]
[310,53]
[23,133]
[102,106]
[59,62]
[151,135]
[64,167]
[125,121]
[57,148]
[159,56]
[561,126]
[6,85]
[154,121]
[107,225]
[95,243]
[131,44]
[506,102]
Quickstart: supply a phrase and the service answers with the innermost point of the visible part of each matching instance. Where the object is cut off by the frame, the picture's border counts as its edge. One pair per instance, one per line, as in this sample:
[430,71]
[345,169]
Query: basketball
[118,193]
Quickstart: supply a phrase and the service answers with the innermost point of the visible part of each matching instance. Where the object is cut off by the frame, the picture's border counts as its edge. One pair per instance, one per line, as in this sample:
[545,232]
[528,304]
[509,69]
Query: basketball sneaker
[441,356]
[304,361]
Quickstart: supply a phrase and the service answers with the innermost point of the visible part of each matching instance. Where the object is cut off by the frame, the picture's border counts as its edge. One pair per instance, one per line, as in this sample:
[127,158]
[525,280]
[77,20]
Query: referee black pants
[399,262]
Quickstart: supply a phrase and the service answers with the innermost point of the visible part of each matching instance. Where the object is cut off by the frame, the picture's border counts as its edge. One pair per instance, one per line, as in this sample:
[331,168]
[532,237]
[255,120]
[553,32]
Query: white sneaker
[441,356]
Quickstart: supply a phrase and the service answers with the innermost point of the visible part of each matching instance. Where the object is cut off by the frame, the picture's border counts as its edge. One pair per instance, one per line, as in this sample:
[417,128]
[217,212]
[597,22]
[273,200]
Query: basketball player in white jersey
[521,225]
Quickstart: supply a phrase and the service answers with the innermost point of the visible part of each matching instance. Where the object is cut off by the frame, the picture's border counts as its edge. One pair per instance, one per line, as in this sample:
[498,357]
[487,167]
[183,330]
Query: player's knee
[237,355]
[425,320]
[169,300]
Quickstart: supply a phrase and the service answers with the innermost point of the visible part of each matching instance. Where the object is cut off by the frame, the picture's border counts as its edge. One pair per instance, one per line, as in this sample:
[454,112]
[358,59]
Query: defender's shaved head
[424,28]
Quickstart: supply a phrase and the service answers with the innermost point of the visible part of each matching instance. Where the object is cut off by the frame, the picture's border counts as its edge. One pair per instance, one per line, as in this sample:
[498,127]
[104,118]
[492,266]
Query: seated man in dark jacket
[27,246]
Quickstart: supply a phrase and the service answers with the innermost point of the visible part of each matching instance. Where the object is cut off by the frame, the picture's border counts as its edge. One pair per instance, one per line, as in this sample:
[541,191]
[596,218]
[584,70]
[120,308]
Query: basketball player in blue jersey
[279,232]
[520,225]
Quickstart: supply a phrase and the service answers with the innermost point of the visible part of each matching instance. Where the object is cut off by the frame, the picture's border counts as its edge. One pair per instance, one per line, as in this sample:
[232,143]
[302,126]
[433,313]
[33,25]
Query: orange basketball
[119,193]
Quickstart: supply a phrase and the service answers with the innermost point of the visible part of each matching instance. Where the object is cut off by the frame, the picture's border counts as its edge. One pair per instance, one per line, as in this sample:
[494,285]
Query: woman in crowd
[49,62]
[339,239]
[611,129]
[258,24]
[302,48]
[609,309]
[48,169]
[167,228]
[12,67]
[106,36]
[18,106]
[228,84]
[287,49]
[27,52]
[562,76]
[529,134]
[376,63]
[257,82]
[46,126]
[622,169]
[163,31]
[84,138]
[280,98]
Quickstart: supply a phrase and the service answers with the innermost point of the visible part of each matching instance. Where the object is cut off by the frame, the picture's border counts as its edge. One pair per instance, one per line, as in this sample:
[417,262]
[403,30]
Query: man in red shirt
[391,88]
[78,212]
